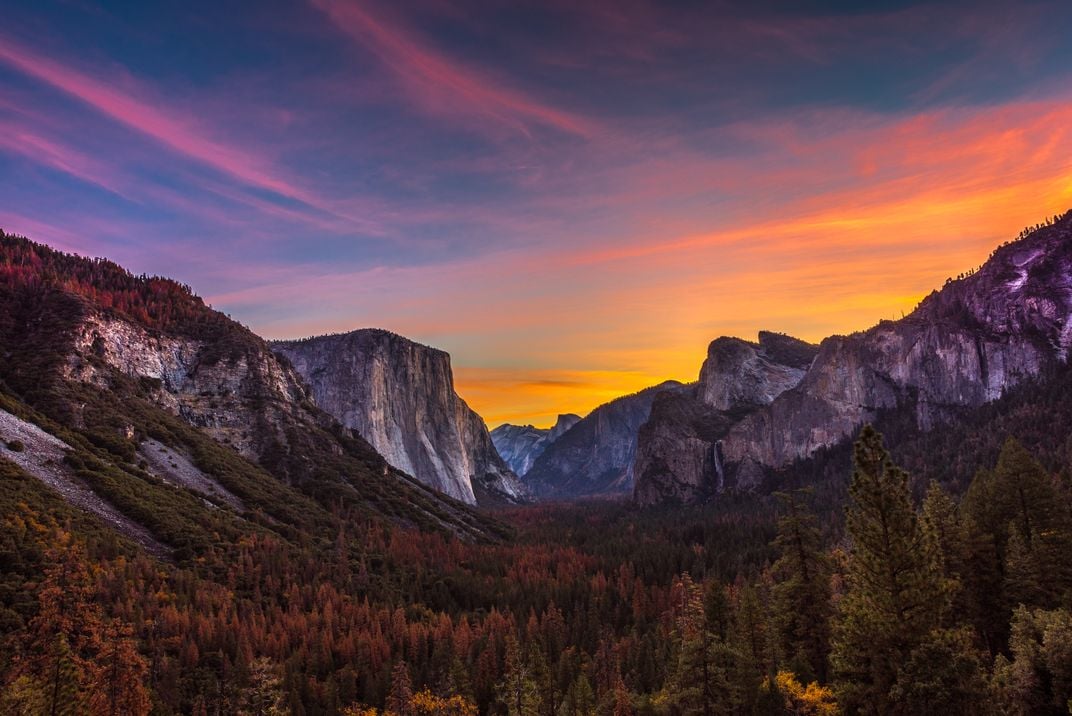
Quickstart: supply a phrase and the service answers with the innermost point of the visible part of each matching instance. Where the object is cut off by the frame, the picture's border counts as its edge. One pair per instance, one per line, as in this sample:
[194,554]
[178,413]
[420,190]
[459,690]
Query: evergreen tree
[753,646]
[580,700]
[119,680]
[63,688]
[946,546]
[717,610]
[944,674]
[891,602]
[24,696]
[801,591]
[518,693]
[540,700]
[264,694]
[1025,577]
[699,684]
[401,694]
[1038,678]
[64,638]
[1020,542]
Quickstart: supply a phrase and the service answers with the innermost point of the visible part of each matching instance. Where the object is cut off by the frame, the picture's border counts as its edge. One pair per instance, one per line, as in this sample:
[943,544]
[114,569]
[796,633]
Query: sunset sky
[571,198]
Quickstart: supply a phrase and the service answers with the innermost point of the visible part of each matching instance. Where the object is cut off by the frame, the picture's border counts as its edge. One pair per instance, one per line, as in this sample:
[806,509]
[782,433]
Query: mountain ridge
[520,445]
[110,361]
[595,456]
[399,395]
[962,347]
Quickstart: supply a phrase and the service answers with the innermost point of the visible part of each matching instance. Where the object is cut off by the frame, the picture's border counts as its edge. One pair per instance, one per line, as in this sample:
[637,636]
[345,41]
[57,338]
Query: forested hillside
[749,606]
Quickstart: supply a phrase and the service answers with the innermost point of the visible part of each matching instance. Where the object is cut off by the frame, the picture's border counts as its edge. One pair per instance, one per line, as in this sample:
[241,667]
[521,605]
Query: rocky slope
[116,362]
[399,395]
[963,346]
[678,452]
[520,445]
[595,456]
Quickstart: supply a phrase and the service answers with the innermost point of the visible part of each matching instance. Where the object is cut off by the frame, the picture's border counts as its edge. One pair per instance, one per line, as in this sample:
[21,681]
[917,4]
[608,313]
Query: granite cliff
[595,456]
[520,445]
[964,346]
[678,453]
[399,395]
[125,367]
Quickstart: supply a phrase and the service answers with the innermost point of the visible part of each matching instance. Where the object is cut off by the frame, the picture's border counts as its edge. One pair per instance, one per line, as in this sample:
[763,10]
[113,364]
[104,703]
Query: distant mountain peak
[399,395]
[520,445]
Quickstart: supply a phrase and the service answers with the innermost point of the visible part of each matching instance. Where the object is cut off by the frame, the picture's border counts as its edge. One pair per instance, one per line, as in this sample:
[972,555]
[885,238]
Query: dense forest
[751,605]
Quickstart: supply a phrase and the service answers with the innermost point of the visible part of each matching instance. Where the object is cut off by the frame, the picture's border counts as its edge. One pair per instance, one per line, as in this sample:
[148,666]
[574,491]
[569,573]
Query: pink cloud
[444,86]
[24,142]
[945,188]
[148,117]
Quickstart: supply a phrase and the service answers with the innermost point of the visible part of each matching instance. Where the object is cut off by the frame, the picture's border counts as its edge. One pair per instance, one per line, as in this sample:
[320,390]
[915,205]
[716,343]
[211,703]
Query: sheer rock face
[595,456]
[520,445]
[963,346]
[678,453]
[399,395]
[237,390]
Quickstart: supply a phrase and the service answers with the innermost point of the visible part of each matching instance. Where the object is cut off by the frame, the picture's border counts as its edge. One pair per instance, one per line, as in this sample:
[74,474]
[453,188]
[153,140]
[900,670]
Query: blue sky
[572,198]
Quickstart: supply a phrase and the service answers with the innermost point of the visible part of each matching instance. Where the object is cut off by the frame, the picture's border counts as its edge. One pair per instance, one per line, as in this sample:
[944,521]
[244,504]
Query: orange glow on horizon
[574,324]
[849,291]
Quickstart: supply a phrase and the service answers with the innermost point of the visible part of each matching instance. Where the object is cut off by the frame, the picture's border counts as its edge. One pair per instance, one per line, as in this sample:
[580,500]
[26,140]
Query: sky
[572,198]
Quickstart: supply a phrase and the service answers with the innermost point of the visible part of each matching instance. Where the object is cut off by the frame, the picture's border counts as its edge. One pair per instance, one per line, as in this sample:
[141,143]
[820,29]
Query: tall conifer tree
[802,591]
[892,602]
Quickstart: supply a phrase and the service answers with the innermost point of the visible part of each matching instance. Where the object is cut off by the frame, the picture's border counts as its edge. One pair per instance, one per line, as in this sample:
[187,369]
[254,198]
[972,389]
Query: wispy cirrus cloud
[151,118]
[444,86]
[572,198]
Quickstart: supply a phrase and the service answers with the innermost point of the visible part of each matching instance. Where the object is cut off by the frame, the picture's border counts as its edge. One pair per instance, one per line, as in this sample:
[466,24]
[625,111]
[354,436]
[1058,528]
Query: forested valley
[753,605]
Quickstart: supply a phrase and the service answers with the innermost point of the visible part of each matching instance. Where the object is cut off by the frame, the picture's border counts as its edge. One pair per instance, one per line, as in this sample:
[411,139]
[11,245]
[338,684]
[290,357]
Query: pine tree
[891,603]
[946,548]
[1020,538]
[753,645]
[717,610]
[264,694]
[63,639]
[944,674]
[1038,679]
[518,693]
[401,693]
[801,593]
[1025,576]
[64,694]
[541,699]
[699,684]
[24,696]
[119,680]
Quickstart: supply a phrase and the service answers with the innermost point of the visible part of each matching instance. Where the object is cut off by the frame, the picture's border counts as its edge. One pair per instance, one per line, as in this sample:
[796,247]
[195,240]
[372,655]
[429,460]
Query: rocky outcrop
[399,395]
[595,456]
[679,456]
[520,445]
[128,359]
[244,398]
[963,346]
[739,373]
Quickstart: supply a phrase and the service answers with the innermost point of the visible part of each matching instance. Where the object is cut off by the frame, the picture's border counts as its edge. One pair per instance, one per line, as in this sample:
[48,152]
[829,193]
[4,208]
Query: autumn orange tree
[70,661]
